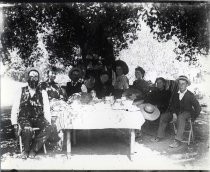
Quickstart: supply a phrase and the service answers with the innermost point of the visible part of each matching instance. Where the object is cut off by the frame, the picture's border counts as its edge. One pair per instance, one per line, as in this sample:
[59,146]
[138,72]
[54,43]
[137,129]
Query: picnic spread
[96,114]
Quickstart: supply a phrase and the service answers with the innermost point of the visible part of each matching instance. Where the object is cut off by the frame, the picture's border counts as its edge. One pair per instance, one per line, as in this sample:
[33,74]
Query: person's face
[138,74]
[75,76]
[119,71]
[182,85]
[33,79]
[51,75]
[160,84]
[90,82]
[104,78]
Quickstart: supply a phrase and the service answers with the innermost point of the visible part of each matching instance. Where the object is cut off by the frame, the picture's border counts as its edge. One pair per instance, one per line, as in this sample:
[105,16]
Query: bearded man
[31,110]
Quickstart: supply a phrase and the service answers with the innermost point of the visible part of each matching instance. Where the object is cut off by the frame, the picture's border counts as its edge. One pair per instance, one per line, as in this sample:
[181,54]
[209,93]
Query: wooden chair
[21,144]
[190,131]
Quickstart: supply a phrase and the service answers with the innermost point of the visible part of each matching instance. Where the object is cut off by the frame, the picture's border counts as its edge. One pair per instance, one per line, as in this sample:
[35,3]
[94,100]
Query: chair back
[171,85]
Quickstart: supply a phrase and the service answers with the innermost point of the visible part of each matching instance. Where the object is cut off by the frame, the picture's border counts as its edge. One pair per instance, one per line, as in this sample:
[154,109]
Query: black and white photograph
[105,85]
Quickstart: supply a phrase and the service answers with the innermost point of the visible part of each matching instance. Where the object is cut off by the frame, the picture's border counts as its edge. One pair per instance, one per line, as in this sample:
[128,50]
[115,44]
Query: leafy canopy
[187,21]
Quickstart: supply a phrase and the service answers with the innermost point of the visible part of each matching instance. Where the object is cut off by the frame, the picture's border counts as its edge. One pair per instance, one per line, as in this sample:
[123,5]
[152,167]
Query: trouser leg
[181,121]
[25,134]
[54,137]
[165,118]
[42,135]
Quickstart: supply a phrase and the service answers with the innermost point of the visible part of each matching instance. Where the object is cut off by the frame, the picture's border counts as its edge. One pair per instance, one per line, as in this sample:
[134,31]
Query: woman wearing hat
[74,86]
[31,109]
[184,106]
[122,83]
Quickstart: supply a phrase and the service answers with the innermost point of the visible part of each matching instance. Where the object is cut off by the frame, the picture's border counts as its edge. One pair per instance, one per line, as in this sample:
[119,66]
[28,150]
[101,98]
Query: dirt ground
[109,149]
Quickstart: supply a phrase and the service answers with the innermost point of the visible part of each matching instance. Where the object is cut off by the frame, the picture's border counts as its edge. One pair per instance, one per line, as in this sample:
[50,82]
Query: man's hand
[16,130]
[174,118]
[133,97]
[28,129]
[53,119]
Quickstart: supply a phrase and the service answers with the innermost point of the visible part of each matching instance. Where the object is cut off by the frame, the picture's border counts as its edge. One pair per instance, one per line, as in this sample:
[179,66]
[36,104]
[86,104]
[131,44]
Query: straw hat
[182,77]
[75,69]
[149,111]
[32,69]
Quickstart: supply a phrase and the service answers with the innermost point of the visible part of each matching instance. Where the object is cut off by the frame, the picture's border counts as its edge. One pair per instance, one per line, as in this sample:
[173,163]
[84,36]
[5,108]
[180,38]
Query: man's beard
[75,79]
[33,84]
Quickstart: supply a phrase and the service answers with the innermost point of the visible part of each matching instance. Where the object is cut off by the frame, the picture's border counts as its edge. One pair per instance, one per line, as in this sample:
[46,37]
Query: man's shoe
[156,139]
[175,144]
[24,155]
[32,154]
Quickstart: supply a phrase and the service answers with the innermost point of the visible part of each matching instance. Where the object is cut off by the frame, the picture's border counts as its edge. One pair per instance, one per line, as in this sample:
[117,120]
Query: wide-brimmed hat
[182,77]
[75,69]
[123,65]
[28,70]
[149,111]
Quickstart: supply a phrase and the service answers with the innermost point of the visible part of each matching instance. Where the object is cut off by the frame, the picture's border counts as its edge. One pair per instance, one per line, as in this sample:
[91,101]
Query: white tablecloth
[99,116]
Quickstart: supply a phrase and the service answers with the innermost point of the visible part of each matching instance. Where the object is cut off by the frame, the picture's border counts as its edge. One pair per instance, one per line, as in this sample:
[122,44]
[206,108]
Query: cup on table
[123,98]
[107,99]
[112,100]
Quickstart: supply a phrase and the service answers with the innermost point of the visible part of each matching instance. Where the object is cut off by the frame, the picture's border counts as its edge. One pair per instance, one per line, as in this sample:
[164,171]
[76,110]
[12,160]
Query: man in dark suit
[184,106]
[74,86]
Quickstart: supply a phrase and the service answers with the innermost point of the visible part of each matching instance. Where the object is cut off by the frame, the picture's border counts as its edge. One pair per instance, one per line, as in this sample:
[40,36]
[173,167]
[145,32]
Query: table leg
[61,141]
[68,143]
[74,137]
[88,135]
[132,143]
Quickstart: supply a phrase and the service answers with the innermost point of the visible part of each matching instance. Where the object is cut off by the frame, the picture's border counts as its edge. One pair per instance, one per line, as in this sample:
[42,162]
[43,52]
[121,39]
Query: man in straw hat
[184,106]
[74,86]
[31,110]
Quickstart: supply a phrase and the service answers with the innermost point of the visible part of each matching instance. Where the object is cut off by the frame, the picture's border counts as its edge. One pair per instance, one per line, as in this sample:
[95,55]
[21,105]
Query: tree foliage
[19,30]
[97,28]
[187,21]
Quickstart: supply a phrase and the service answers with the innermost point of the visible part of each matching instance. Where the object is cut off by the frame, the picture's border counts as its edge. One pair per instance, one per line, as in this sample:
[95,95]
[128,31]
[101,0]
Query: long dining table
[100,116]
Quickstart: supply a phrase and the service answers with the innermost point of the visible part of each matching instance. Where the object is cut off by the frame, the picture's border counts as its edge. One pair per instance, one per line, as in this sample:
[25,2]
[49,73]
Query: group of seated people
[32,109]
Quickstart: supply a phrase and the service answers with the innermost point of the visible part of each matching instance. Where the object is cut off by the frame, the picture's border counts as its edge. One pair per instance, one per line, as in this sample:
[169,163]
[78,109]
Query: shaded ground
[109,149]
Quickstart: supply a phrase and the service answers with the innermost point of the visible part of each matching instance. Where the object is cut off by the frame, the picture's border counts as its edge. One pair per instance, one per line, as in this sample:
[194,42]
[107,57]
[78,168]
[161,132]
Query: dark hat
[182,77]
[149,111]
[75,69]
[28,70]
[123,65]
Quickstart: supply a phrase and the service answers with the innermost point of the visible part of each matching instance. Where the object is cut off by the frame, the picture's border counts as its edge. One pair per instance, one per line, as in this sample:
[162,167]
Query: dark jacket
[160,98]
[72,88]
[188,104]
[53,90]
[104,90]
[142,86]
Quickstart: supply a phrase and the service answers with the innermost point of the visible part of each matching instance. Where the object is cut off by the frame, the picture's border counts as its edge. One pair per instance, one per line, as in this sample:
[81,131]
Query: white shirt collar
[181,95]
